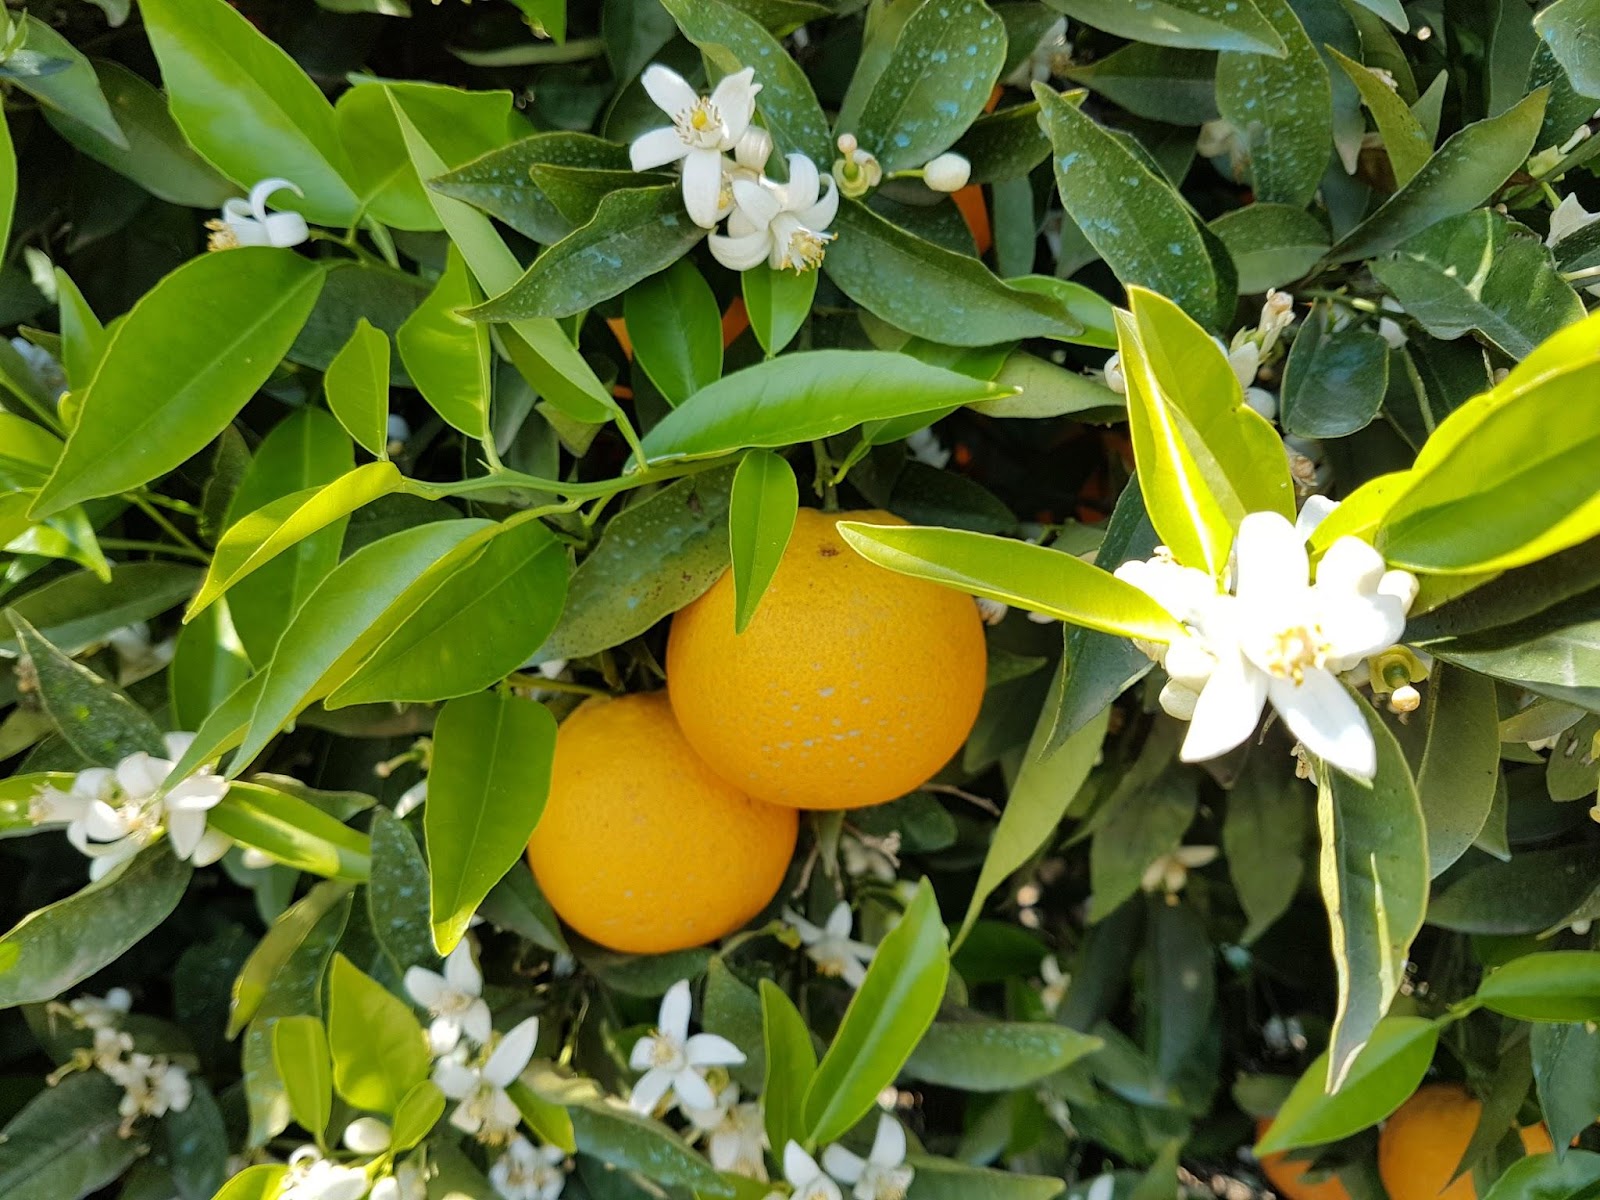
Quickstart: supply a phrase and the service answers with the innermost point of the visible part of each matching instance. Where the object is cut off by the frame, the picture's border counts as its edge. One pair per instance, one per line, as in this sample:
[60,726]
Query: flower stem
[139,501]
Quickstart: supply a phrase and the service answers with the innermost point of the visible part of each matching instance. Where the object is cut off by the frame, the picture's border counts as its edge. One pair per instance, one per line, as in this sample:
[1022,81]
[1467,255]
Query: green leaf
[459,125]
[791,1063]
[8,182]
[1049,779]
[1532,892]
[730,41]
[59,946]
[248,107]
[1406,142]
[630,1142]
[913,113]
[96,720]
[283,939]
[653,558]
[946,1179]
[778,303]
[1194,24]
[500,183]
[1566,1068]
[491,772]
[63,1144]
[1283,107]
[1382,1077]
[446,355]
[419,1111]
[180,366]
[254,540]
[634,234]
[1271,244]
[576,192]
[1046,390]
[1568,28]
[396,892]
[1481,271]
[299,962]
[1560,985]
[1143,820]
[1491,489]
[804,396]
[1158,83]
[1018,573]
[1181,975]
[83,337]
[156,156]
[74,612]
[260,1182]
[1460,762]
[1133,218]
[379,1050]
[352,611]
[558,370]
[1548,1177]
[886,1019]
[300,1052]
[1263,839]
[74,90]
[934,293]
[292,831]
[1461,174]
[761,512]
[1335,379]
[995,1056]
[1374,874]
[1205,458]
[1005,146]
[676,330]
[357,386]
[197,1145]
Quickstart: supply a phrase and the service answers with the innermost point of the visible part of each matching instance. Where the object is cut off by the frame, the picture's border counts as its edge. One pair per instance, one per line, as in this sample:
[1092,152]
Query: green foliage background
[205,443]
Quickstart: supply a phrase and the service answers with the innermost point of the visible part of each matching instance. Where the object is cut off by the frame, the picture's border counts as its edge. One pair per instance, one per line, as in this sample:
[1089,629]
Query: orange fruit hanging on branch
[642,847]
[852,685]
[1421,1145]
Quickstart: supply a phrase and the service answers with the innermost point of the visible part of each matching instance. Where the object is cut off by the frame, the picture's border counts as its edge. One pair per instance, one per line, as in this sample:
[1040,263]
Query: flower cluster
[882,1175]
[474,1066]
[152,1085]
[312,1175]
[1268,633]
[113,813]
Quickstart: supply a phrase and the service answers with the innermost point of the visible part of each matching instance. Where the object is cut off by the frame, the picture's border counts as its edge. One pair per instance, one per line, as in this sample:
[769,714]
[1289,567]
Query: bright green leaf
[357,387]
[761,512]
[300,1052]
[1561,985]
[379,1050]
[791,1062]
[778,303]
[1195,24]
[676,330]
[446,355]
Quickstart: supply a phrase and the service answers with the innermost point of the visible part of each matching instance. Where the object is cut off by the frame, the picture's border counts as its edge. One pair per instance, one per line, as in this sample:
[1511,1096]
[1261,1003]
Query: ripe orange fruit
[851,685]
[1287,1175]
[642,847]
[1421,1145]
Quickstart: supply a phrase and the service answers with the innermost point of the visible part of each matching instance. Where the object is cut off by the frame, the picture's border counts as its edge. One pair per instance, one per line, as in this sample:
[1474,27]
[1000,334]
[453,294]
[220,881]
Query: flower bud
[947,173]
[753,149]
[1114,377]
[367,1135]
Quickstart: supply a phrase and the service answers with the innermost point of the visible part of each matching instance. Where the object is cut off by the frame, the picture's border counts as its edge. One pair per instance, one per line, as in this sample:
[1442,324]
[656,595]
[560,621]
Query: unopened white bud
[1113,374]
[947,173]
[992,611]
[367,1135]
[847,144]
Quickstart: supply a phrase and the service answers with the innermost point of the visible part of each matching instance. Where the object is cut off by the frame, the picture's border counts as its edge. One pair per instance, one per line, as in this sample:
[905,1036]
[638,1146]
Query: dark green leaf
[77,611]
[945,1179]
[1335,379]
[1566,1068]
[676,330]
[58,946]
[1195,24]
[1460,762]
[397,894]
[1481,271]
[1159,83]
[1374,874]
[1263,839]
[1568,28]
[499,182]
[995,1056]
[197,1144]
[63,1145]
[634,234]
[634,1143]
[778,303]
[932,292]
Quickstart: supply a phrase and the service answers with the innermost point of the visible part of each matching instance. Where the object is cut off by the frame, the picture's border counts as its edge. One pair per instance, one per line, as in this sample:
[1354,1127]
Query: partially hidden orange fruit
[1287,1175]
[851,685]
[642,847]
[1421,1145]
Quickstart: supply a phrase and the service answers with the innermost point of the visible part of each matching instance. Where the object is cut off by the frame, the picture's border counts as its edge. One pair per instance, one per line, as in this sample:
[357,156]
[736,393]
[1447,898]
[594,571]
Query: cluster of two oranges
[672,817]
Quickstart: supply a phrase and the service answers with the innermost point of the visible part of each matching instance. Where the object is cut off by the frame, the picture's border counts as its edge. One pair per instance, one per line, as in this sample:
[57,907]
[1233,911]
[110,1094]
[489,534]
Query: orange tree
[762,598]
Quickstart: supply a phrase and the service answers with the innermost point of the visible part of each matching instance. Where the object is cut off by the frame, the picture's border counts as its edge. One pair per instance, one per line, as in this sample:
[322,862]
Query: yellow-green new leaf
[300,1052]
[1404,138]
[379,1050]
[179,367]
[357,387]
[1205,458]
[446,355]
[1507,478]
[273,528]
[293,832]
[1017,573]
